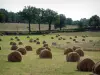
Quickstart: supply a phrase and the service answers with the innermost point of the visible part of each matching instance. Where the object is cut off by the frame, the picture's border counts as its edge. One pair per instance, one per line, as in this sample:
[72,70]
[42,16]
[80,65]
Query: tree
[94,22]
[4,15]
[68,21]
[50,17]
[60,21]
[29,13]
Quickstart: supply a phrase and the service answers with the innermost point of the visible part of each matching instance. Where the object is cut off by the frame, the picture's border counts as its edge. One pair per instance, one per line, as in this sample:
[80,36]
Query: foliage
[94,22]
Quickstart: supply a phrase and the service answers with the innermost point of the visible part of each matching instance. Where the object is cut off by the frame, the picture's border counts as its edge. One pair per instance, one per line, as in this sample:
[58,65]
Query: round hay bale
[72,57]
[20,43]
[18,39]
[83,39]
[75,36]
[28,48]
[54,43]
[14,47]
[67,42]
[48,48]
[11,39]
[0,48]
[67,50]
[80,52]
[75,47]
[59,38]
[0,39]
[43,34]
[96,68]
[56,35]
[37,42]
[52,37]
[64,39]
[31,40]
[28,37]
[90,40]
[11,43]
[37,38]
[14,43]
[22,51]
[74,39]
[39,50]
[85,64]
[70,38]
[15,57]
[83,36]
[44,42]
[45,54]
[45,45]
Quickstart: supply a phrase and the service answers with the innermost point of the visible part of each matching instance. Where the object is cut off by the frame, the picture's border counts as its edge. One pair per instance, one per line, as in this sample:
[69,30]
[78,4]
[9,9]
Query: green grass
[33,65]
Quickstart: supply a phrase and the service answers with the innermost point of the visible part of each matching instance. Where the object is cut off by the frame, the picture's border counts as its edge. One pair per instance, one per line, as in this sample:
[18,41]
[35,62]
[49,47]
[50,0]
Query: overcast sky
[75,9]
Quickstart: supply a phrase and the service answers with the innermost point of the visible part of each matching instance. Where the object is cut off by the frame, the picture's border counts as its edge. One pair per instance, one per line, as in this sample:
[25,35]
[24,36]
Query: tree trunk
[50,22]
[39,26]
[29,27]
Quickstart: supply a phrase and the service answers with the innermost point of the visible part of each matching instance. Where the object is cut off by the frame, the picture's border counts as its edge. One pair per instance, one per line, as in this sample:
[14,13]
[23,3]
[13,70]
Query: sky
[75,9]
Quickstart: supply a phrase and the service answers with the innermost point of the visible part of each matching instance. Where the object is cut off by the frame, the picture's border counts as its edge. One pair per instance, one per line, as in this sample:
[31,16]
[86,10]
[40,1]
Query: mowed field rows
[23,27]
[31,64]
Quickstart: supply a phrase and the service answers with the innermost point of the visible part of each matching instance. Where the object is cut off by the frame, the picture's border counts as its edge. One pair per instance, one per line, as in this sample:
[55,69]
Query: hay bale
[18,39]
[37,42]
[80,51]
[52,37]
[90,40]
[44,42]
[48,48]
[54,43]
[85,64]
[96,68]
[67,50]
[83,39]
[64,39]
[28,48]
[11,39]
[70,38]
[74,39]
[28,37]
[14,47]
[72,57]
[75,36]
[44,34]
[39,50]
[31,40]
[22,51]
[12,43]
[45,54]
[37,38]
[59,38]
[75,47]
[15,57]
[67,42]
[20,43]
[45,45]
[0,39]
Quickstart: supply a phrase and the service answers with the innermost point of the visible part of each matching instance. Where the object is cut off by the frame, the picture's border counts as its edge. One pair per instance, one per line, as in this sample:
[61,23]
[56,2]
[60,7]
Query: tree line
[39,16]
